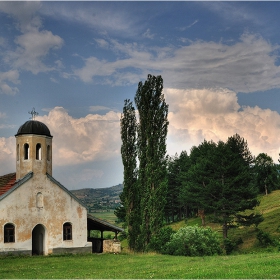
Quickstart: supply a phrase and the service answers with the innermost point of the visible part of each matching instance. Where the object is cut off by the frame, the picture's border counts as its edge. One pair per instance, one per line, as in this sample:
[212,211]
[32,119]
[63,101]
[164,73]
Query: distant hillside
[270,209]
[100,199]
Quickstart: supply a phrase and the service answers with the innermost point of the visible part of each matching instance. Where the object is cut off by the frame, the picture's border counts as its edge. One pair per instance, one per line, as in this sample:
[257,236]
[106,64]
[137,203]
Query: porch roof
[94,223]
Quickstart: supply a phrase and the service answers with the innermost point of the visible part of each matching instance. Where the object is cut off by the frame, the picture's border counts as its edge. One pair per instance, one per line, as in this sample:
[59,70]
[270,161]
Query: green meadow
[141,266]
[249,260]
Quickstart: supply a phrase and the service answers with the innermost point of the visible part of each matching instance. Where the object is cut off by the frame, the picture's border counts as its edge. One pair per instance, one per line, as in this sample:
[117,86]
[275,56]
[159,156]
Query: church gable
[8,183]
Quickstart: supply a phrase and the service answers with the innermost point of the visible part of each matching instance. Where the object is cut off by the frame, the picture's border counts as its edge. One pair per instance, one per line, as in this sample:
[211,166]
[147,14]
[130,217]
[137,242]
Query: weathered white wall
[39,167]
[52,208]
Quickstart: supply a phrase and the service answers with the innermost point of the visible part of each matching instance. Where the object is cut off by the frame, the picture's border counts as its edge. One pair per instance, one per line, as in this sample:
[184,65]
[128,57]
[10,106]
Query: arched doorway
[38,240]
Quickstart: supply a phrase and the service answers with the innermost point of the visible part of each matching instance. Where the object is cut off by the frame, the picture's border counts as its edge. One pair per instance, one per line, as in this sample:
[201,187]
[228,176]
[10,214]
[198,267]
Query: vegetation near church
[149,188]
[220,181]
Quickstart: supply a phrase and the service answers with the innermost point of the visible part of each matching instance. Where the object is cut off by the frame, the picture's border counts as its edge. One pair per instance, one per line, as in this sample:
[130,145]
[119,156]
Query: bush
[158,241]
[229,246]
[194,241]
[264,238]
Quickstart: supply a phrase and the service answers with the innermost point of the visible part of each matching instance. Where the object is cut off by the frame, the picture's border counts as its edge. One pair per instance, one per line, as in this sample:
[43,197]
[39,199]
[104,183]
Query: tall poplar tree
[151,145]
[130,196]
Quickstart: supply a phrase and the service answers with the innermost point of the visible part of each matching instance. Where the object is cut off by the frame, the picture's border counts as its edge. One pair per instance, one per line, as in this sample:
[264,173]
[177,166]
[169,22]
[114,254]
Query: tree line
[220,180]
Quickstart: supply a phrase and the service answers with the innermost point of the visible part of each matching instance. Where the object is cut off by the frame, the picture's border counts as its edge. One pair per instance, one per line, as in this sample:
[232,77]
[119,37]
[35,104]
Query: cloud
[148,34]
[31,50]
[8,78]
[214,114]
[76,141]
[98,108]
[189,26]
[24,12]
[101,17]
[246,66]
[87,150]
[3,115]
[34,44]
[102,43]
[7,155]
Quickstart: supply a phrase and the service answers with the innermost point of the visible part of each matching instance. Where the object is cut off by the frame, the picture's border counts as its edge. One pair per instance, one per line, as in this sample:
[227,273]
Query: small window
[17,151]
[9,233]
[39,200]
[67,231]
[38,151]
[26,151]
[48,152]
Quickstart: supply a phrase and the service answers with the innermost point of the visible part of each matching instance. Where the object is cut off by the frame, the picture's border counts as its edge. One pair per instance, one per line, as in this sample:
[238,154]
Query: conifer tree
[220,182]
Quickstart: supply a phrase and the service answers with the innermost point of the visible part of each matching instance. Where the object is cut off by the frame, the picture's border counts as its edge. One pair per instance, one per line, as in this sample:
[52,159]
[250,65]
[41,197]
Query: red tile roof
[6,182]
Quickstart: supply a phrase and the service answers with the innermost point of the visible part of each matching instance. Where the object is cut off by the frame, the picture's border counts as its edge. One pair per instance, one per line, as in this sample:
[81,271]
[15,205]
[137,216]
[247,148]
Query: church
[38,215]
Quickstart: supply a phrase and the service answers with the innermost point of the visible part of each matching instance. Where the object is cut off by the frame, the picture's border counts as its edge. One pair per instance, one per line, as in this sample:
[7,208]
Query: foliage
[130,196]
[120,213]
[175,208]
[159,240]
[266,174]
[264,238]
[151,147]
[220,181]
[194,241]
[230,245]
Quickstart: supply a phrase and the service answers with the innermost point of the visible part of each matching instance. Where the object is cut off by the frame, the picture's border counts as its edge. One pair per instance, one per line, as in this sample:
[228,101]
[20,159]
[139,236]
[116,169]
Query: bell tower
[33,148]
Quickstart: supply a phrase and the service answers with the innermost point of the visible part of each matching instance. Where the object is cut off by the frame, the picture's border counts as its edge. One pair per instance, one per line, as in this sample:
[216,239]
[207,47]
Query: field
[108,216]
[249,260]
[141,266]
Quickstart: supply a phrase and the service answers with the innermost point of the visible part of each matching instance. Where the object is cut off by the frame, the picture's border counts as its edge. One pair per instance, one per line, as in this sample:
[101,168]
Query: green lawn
[141,266]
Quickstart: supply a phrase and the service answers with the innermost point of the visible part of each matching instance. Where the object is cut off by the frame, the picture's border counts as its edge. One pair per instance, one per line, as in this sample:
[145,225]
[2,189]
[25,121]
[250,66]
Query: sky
[76,63]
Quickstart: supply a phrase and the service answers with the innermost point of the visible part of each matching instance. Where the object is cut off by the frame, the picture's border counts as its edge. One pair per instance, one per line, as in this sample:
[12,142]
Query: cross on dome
[33,114]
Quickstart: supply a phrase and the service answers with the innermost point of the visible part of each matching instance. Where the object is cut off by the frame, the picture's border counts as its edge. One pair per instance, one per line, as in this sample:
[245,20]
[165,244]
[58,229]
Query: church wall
[41,201]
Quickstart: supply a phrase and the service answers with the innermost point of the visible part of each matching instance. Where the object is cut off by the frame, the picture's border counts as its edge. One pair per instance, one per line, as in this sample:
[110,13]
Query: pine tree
[266,173]
[220,181]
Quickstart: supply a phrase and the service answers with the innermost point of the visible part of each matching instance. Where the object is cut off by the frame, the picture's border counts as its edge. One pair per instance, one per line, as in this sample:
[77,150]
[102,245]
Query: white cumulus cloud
[214,114]
[94,137]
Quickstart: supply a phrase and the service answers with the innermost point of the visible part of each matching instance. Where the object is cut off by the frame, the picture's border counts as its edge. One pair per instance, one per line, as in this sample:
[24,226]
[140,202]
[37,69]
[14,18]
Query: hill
[100,199]
[269,207]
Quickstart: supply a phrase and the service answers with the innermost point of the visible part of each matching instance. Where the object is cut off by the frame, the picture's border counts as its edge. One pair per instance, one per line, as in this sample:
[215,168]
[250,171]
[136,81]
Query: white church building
[38,215]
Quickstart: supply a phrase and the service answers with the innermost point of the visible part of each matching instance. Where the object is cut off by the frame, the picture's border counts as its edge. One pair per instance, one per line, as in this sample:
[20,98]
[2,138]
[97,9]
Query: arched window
[39,200]
[48,152]
[9,233]
[26,151]
[38,151]
[67,231]
[17,151]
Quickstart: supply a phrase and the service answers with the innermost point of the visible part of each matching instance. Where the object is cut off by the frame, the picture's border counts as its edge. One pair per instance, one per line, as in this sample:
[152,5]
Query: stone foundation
[111,246]
[73,250]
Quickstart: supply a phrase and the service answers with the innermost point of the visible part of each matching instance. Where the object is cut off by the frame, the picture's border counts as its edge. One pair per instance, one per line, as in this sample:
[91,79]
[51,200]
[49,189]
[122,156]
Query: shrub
[194,241]
[264,238]
[158,241]
[229,246]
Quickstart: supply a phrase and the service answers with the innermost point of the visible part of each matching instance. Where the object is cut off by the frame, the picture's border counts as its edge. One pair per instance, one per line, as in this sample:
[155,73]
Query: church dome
[34,127]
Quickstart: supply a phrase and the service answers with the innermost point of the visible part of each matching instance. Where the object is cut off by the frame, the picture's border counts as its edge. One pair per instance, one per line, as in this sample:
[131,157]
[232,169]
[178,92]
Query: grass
[141,266]
[108,216]
[270,209]
[249,261]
